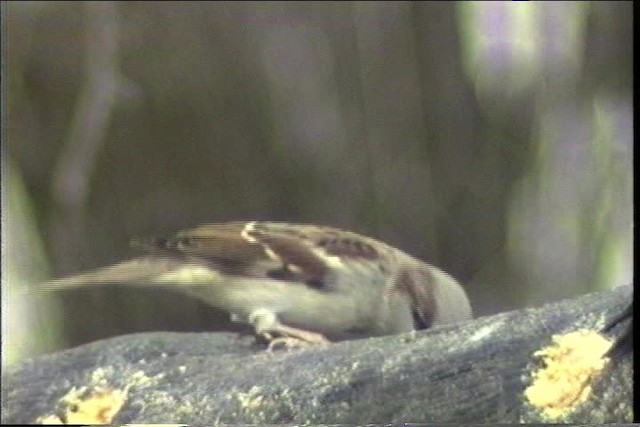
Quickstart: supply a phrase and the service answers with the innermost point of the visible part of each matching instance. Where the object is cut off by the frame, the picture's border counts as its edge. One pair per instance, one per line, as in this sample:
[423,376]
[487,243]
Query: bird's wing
[279,251]
[292,252]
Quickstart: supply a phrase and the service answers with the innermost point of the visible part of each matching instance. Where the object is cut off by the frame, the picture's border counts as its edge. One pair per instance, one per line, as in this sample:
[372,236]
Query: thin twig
[96,99]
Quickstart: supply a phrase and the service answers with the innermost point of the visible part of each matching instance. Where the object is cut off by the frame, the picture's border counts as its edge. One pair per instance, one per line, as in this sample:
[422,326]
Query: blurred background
[493,140]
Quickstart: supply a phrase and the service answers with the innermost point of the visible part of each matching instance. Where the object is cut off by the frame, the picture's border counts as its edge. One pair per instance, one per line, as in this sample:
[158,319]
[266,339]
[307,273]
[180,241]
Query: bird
[295,284]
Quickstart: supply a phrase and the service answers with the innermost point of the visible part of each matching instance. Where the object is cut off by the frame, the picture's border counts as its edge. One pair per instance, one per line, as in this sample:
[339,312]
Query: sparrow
[293,283]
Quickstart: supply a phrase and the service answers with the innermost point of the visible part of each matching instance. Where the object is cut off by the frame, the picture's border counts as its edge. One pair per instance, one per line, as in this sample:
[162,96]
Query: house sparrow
[300,283]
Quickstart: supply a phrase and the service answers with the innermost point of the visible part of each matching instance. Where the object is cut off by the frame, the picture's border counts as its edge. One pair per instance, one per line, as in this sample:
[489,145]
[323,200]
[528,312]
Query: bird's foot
[287,343]
[290,338]
[282,336]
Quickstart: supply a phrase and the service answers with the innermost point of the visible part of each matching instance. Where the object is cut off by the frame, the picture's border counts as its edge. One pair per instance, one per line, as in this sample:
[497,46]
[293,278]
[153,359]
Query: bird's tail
[138,271]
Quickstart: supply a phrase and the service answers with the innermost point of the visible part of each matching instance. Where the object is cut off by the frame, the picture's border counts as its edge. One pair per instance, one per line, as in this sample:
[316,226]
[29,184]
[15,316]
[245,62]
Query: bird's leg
[267,325]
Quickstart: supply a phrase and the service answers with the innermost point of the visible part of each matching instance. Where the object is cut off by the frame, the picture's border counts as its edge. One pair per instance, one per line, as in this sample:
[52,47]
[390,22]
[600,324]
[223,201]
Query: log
[478,371]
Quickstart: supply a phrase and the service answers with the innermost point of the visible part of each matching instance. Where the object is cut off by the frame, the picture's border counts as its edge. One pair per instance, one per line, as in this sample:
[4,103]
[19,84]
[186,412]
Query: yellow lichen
[97,403]
[97,408]
[570,364]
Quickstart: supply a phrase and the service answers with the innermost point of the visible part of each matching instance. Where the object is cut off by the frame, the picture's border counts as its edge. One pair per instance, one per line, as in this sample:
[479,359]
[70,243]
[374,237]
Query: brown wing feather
[220,241]
[332,241]
[236,249]
[294,252]
[216,242]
